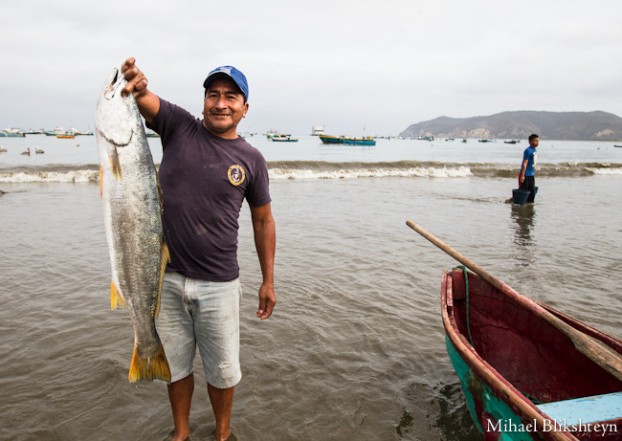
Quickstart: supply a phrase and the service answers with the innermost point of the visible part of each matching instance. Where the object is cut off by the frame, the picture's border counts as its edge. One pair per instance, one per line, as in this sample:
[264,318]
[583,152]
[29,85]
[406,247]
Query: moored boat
[366,141]
[12,133]
[284,138]
[528,371]
[66,135]
[55,131]
[271,133]
[317,131]
[77,132]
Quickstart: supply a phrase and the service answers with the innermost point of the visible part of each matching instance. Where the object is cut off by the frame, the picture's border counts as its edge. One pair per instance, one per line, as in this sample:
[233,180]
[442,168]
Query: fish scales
[133,224]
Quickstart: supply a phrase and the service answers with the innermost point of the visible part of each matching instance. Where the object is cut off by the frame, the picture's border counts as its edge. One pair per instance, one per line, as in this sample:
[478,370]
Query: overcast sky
[354,66]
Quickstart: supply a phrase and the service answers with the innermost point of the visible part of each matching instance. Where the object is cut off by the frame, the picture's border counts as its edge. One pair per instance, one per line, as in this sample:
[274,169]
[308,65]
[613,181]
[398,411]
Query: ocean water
[355,348]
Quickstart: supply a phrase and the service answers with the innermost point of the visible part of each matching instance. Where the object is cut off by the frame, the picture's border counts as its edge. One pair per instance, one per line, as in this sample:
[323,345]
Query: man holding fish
[206,173]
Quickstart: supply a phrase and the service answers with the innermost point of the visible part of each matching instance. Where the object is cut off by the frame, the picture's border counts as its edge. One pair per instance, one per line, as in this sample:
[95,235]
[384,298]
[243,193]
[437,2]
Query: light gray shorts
[197,313]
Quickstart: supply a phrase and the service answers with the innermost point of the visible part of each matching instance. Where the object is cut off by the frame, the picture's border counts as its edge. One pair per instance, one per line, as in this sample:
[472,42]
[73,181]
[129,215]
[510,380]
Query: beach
[355,349]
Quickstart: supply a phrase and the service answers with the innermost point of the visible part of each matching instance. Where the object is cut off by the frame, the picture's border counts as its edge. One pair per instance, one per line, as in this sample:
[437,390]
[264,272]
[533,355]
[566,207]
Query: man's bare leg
[180,396]
[222,402]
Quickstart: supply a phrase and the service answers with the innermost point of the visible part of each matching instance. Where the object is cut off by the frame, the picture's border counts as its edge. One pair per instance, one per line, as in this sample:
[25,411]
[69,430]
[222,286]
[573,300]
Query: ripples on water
[355,350]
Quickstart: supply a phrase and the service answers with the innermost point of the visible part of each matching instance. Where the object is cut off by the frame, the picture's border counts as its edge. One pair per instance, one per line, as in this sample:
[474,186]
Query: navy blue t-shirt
[204,180]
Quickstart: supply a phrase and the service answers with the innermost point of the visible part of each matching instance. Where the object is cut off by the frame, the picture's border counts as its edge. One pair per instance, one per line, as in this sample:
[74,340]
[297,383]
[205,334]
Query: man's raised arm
[148,102]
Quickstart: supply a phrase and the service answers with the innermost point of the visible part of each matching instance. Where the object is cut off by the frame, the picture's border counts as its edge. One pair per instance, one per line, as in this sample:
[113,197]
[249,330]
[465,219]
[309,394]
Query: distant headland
[580,126]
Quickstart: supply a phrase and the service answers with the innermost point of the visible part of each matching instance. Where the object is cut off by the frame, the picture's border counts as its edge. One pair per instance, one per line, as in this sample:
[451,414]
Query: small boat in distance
[284,138]
[511,141]
[618,146]
[270,133]
[66,135]
[366,141]
[77,132]
[317,131]
[12,133]
[55,131]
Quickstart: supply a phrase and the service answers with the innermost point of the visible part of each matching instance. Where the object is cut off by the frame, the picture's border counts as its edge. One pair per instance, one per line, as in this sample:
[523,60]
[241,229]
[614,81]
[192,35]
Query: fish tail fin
[152,368]
[164,260]
[116,298]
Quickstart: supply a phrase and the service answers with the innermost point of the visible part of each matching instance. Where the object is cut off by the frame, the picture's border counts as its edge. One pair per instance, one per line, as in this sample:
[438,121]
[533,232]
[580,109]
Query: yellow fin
[165,258]
[153,368]
[115,165]
[116,298]
[101,182]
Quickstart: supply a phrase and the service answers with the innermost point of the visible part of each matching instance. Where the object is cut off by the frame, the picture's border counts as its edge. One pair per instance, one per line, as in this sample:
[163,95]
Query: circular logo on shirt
[236,174]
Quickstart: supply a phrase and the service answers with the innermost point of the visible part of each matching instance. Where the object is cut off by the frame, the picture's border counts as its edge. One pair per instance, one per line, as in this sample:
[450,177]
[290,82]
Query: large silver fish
[133,224]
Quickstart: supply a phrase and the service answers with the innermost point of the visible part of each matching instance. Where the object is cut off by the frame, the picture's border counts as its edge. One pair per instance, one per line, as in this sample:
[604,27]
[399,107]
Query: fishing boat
[317,131]
[366,141]
[618,146]
[55,131]
[284,138]
[77,132]
[66,135]
[271,133]
[528,371]
[12,133]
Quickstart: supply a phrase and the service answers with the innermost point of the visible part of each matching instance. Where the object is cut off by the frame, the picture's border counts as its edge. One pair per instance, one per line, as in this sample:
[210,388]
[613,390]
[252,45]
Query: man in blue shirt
[528,168]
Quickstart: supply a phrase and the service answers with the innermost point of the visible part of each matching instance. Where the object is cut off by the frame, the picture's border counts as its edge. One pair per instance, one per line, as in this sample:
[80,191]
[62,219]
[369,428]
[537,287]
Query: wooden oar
[595,350]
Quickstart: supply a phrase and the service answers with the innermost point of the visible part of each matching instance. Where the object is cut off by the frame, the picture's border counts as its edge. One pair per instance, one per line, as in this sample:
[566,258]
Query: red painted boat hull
[518,360]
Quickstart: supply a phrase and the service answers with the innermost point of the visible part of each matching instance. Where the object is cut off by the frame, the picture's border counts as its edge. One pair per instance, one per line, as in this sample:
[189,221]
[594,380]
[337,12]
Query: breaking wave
[279,170]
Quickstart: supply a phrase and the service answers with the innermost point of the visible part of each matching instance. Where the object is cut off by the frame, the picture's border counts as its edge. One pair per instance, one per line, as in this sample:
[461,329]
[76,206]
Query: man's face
[223,108]
[534,142]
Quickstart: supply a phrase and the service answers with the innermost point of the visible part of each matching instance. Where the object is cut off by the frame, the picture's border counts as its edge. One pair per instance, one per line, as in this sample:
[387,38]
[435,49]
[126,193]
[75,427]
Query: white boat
[77,132]
[317,131]
[284,138]
[55,131]
[270,133]
[12,133]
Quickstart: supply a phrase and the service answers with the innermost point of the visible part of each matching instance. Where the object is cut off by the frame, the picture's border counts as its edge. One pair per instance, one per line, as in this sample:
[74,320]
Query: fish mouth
[114,84]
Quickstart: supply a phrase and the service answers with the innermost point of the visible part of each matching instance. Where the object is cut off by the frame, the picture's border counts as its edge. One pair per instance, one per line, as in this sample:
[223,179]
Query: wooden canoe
[523,379]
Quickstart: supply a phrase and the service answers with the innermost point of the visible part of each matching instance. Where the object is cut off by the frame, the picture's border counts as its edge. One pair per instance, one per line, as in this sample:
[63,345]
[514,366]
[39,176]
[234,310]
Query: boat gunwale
[487,373]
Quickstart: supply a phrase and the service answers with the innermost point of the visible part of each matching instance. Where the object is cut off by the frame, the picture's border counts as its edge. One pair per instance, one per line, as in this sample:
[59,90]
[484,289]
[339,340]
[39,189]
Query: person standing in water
[207,172]
[527,175]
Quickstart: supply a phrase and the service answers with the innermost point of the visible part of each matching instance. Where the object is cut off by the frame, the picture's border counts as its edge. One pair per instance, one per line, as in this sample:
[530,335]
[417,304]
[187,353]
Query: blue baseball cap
[230,71]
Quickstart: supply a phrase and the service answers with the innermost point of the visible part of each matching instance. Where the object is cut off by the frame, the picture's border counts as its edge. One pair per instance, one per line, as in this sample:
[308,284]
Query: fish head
[115,117]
